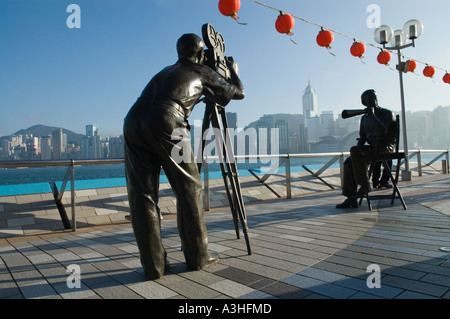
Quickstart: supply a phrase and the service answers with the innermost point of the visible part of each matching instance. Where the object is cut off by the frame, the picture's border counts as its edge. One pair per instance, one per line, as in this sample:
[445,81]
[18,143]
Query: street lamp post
[397,39]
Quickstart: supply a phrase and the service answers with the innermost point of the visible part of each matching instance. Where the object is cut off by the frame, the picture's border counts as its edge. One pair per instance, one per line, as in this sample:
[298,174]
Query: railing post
[445,164]
[341,168]
[419,163]
[206,197]
[72,195]
[447,157]
[288,177]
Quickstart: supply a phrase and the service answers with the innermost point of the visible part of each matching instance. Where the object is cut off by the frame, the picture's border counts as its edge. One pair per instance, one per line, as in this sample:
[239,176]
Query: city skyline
[335,116]
[59,76]
[296,133]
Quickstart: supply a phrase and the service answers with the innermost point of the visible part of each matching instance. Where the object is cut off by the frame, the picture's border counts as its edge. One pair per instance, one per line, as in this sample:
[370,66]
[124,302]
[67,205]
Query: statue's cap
[368,97]
[189,44]
[369,93]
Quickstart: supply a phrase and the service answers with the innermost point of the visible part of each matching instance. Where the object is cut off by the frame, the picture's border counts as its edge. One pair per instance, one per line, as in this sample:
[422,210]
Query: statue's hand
[231,64]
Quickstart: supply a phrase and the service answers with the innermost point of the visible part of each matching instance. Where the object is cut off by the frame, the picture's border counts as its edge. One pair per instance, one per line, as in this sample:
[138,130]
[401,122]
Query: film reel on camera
[215,54]
[213,40]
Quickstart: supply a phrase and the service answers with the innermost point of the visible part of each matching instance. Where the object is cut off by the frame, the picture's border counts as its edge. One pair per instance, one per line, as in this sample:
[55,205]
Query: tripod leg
[205,126]
[211,118]
[240,203]
[225,169]
[232,202]
[210,110]
[228,167]
[234,179]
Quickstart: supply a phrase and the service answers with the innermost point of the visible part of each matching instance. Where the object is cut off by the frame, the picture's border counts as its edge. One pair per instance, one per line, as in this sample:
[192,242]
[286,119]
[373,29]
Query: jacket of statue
[379,132]
[180,87]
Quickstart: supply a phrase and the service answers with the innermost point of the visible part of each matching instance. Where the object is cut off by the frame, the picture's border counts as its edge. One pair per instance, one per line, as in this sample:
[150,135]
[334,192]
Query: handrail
[82,162]
[55,163]
[418,154]
[336,156]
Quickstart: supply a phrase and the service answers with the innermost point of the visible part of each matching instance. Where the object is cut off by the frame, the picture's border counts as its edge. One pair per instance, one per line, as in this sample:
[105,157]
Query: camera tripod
[216,60]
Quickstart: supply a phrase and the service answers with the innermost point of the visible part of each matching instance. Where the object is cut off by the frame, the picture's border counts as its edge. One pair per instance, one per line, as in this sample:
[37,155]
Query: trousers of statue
[149,146]
[356,168]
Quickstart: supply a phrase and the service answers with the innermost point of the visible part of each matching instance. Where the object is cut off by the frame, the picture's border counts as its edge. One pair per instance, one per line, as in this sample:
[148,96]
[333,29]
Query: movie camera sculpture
[215,58]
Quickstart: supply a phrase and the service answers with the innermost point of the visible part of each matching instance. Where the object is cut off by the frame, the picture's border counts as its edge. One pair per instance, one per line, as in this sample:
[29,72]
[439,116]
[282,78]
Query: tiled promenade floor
[302,248]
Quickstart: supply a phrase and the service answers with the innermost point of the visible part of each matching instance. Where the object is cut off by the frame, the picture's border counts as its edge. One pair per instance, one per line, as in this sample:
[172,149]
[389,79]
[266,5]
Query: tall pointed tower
[310,107]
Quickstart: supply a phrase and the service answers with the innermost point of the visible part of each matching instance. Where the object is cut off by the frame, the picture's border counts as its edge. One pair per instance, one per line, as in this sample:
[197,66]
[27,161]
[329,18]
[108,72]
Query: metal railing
[442,153]
[69,176]
[283,160]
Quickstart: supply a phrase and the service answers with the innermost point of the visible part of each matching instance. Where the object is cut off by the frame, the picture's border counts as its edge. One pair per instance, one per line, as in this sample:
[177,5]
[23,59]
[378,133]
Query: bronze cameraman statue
[164,106]
[375,137]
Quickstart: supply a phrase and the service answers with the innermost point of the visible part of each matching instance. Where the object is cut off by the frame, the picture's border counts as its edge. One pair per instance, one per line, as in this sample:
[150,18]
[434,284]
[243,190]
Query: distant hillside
[42,130]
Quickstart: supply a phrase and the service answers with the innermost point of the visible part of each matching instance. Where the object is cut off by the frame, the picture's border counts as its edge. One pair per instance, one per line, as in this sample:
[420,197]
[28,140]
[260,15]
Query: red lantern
[384,57]
[429,71]
[285,23]
[229,8]
[412,65]
[357,49]
[446,78]
[325,38]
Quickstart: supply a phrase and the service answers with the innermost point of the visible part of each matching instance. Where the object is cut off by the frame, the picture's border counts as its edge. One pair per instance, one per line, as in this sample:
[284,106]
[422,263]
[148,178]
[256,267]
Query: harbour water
[55,174]
[40,179]
[19,181]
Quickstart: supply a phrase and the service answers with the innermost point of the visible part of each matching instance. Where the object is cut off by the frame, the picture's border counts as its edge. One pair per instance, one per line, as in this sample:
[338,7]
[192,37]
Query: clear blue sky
[57,76]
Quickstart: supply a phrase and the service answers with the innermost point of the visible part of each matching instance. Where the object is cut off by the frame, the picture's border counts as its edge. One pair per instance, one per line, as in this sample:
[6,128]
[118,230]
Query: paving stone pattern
[302,248]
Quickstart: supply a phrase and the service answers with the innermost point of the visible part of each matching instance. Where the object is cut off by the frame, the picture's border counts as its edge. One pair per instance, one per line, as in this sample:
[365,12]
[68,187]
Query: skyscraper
[57,143]
[46,147]
[92,130]
[232,120]
[310,106]
[310,116]
[91,144]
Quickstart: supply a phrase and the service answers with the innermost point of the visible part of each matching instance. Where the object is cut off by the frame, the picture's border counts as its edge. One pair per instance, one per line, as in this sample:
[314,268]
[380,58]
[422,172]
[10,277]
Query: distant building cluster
[94,147]
[56,146]
[310,132]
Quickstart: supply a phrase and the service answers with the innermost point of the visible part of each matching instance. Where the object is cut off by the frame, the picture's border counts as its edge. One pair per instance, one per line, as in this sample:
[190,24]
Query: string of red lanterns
[285,22]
